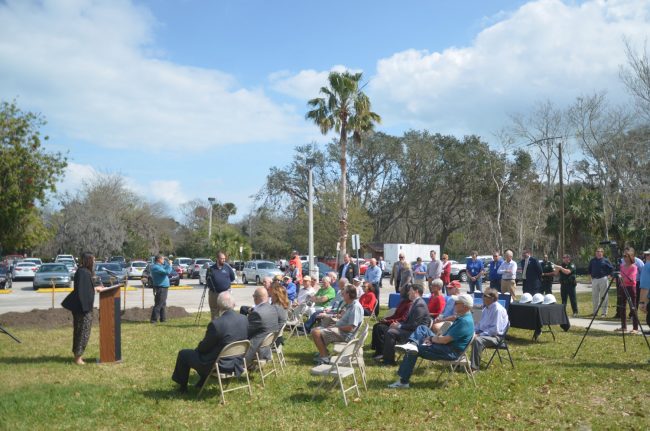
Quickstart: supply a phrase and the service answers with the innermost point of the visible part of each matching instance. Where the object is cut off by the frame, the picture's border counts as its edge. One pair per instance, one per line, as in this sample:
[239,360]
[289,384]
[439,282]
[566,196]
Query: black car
[110,273]
[174,278]
[5,277]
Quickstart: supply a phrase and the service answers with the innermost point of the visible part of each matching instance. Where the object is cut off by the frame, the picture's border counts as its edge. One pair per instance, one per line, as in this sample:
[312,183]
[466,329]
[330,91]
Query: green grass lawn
[603,388]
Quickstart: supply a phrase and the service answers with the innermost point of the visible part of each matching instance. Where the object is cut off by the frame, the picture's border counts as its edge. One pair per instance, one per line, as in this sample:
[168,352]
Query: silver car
[24,270]
[203,272]
[135,268]
[258,269]
[49,273]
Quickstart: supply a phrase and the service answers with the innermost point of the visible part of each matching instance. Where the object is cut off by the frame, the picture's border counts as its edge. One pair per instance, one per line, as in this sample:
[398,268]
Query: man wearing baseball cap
[446,347]
[448,313]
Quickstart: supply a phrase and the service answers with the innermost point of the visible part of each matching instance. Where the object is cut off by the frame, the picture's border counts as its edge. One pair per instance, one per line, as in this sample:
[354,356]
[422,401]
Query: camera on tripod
[613,248]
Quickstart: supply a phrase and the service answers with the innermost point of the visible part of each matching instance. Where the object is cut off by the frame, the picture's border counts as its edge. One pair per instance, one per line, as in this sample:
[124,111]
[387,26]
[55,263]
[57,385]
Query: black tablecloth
[535,316]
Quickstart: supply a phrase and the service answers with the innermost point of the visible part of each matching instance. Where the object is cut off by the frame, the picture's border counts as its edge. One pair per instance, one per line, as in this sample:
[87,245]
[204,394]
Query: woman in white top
[508,272]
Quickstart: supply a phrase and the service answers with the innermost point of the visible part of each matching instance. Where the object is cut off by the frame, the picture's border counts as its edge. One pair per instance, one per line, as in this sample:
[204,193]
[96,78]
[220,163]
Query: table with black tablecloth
[537,316]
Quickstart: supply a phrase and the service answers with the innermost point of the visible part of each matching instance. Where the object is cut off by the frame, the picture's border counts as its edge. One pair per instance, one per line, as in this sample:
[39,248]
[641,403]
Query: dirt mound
[61,317]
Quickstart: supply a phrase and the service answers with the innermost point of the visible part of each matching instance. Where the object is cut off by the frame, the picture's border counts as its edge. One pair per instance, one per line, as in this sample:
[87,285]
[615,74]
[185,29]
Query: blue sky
[188,99]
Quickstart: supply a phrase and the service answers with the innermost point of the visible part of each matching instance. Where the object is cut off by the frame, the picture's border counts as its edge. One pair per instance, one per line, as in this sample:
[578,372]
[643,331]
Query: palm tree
[346,109]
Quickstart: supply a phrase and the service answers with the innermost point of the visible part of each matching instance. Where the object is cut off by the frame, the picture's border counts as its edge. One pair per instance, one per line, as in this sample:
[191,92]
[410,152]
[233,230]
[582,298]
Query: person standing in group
[639,266]
[220,277]
[396,273]
[445,276]
[531,273]
[567,273]
[493,273]
[160,272]
[474,268]
[629,271]
[434,268]
[348,269]
[645,288]
[381,263]
[419,271]
[548,272]
[599,269]
[80,303]
[508,271]
[373,276]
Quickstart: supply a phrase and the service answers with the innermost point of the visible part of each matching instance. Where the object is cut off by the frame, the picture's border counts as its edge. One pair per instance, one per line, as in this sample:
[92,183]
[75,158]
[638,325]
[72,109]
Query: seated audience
[380,328]
[448,314]
[357,283]
[437,300]
[368,300]
[262,320]
[306,292]
[344,327]
[291,288]
[445,347]
[490,328]
[280,301]
[226,328]
[399,332]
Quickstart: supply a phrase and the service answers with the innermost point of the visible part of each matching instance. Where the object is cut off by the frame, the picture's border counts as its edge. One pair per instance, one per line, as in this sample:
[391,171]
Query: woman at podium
[80,303]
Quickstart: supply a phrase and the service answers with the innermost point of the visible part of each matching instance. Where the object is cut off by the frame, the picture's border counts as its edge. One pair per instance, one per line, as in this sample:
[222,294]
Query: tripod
[616,277]
[3,330]
[198,316]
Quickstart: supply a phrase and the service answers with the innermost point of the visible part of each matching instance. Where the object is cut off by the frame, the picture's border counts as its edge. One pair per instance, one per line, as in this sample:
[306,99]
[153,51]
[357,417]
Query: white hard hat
[538,298]
[526,298]
[549,299]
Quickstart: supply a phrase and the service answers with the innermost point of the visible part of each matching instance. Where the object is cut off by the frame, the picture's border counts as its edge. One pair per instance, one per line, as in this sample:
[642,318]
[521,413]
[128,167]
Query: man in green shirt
[567,273]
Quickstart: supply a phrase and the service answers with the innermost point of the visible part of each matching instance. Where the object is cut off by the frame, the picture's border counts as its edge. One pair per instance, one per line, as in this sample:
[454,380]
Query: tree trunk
[343,212]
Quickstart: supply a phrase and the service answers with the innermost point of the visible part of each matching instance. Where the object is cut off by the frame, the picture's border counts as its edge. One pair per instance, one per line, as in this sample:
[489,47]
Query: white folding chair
[238,348]
[295,320]
[357,357]
[340,369]
[267,343]
[278,348]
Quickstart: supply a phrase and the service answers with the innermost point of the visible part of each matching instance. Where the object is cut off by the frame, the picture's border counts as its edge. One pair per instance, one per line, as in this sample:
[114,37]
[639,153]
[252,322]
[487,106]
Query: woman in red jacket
[437,300]
[368,300]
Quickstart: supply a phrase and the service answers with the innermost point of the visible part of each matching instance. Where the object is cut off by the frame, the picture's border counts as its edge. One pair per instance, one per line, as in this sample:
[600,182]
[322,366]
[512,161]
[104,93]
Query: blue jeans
[420,333]
[432,352]
[475,285]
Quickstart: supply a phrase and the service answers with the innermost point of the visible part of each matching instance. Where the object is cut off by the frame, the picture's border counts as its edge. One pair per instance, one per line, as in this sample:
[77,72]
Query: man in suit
[348,269]
[396,274]
[399,332]
[531,273]
[226,328]
[262,320]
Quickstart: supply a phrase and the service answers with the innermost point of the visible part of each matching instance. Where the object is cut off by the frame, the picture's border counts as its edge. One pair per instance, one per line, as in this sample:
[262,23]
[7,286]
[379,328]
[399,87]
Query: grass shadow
[171,394]
[41,360]
[607,365]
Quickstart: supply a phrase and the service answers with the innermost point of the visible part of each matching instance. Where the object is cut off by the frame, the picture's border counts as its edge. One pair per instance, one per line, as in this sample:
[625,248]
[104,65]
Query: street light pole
[211,200]
[313,270]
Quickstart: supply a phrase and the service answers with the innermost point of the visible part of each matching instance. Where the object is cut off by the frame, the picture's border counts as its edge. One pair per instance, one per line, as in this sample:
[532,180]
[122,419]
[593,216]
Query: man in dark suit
[531,273]
[227,328]
[348,269]
[400,332]
[262,320]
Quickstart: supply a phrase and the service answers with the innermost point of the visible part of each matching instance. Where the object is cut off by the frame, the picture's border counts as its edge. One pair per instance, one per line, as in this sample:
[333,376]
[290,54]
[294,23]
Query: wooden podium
[110,339]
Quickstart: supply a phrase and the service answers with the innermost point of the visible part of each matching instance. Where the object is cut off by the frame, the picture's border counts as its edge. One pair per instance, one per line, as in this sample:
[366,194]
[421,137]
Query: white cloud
[305,84]
[74,177]
[547,49]
[86,65]
[167,191]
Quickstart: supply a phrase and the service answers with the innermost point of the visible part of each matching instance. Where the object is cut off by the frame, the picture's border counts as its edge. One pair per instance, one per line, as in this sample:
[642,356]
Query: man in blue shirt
[446,347]
[474,269]
[599,269]
[219,278]
[160,271]
[495,277]
[373,275]
[291,287]
[419,271]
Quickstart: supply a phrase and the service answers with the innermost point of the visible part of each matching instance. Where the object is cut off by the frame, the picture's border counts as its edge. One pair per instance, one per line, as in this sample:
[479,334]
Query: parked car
[118,259]
[5,277]
[49,273]
[362,264]
[64,257]
[24,270]
[237,265]
[322,270]
[135,268]
[38,262]
[71,264]
[203,272]
[118,275]
[174,278]
[258,269]
[195,266]
[182,263]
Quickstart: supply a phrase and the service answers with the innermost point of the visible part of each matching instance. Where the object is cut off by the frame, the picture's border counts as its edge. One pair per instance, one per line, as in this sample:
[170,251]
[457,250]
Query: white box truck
[411,252]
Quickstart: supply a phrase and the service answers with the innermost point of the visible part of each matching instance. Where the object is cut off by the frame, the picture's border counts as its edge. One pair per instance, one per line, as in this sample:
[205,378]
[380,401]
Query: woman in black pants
[80,303]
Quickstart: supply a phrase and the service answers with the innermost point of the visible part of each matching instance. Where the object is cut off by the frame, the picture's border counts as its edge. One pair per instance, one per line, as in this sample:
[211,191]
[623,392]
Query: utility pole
[313,269]
[211,200]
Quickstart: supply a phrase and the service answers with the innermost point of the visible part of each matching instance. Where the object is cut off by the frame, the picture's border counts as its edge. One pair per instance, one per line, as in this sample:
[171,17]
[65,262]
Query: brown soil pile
[61,317]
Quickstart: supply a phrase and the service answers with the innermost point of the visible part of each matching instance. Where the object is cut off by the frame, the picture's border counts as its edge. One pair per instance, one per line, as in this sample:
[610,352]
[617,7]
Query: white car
[38,262]
[459,270]
[24,270]
[256,270]
[203,272]
[60,257]
[135,268]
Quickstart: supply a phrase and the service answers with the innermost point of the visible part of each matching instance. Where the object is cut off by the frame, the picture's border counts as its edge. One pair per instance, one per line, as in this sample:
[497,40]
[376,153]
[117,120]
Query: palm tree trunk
[343,213]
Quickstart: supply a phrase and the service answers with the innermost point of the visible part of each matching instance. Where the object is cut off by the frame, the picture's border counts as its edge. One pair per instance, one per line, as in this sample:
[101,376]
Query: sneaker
[399,385]
[410,348]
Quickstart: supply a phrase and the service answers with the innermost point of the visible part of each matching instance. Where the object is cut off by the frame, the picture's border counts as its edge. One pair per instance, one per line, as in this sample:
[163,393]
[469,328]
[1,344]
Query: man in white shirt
[434,269]
[490,328]
[306,291]
[508,271]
